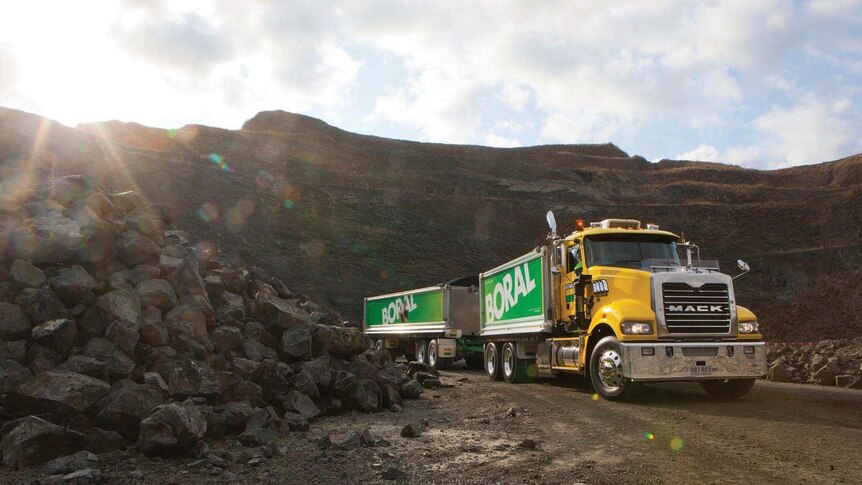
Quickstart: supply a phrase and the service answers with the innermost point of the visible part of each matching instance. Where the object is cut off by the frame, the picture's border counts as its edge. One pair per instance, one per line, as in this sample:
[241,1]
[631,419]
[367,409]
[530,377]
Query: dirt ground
[476,429]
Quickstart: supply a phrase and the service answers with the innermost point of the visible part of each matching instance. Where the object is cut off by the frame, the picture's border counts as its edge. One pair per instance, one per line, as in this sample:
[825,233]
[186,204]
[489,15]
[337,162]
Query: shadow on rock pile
[115,331]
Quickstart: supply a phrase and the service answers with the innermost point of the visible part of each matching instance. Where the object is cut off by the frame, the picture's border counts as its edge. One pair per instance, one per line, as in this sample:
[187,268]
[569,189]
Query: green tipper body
[514,296]
[417,307]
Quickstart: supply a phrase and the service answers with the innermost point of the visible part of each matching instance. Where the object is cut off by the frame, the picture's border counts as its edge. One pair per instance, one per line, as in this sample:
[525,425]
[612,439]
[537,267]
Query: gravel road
[478,431]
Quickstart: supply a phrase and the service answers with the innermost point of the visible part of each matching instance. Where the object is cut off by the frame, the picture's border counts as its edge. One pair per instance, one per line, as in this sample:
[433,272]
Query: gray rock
[72,284]
[297,402]
[411,431]
[123,334]
[70,188]
[350,441]
[416,367]
[229,305]
[158,293]
[848,381]
[214,286]
[102,440]
[61,392]
[227,338]
[343,383]
[295,421]
[26,274]
[42,305]
[70,463]
[393,473]
[47,239]
[187,280]
[14,323]
[12,375]
[236,415]
[279,314]
[192,378]
[365,395]
[153,331]
[187,320]
[34,441]
[173,429]
[142,273]
[119,364]
[780,372]
[261,428]
[826,374]
[94,323]
[431,383]
[87,476]
[87,366]
[14,349]
[411,390]
[296,343]
[121,305]
[57,335]
[257,352]
[125,406]
[134,249]
[340,342]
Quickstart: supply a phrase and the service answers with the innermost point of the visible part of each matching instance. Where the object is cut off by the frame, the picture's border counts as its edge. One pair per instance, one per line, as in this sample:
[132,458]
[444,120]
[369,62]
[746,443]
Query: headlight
[636,328]
[749,327]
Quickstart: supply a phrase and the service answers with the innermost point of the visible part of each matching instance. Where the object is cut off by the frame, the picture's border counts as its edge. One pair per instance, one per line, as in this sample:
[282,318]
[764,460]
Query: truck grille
[696,310]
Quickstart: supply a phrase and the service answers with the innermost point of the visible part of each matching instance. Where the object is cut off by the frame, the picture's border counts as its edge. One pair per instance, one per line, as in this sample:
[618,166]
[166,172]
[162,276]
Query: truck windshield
[629,250]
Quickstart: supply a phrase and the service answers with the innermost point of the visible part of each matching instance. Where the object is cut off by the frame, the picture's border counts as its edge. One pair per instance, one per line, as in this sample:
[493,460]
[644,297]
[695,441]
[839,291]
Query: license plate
[701,370]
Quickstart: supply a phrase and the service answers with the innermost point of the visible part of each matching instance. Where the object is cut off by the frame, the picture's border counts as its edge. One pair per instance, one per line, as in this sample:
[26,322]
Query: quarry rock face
[112,323]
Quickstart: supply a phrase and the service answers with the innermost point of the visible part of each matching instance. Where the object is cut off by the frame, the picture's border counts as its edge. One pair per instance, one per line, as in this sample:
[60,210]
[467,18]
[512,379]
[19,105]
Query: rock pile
[829,363]
[115,331]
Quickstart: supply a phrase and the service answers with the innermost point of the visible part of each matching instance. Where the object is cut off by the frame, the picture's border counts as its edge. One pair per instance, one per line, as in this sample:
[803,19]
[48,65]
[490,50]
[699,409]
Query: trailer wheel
[434,360]
[379,345]
[727,388]
[509,362]
[606,372]
[422,351]
[492,361]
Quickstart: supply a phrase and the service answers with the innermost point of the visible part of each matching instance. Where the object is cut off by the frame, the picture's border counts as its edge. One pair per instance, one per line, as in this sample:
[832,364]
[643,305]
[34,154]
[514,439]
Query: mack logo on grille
[697,308]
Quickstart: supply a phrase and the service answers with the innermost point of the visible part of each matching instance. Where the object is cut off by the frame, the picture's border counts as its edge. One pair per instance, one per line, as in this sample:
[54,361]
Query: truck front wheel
[492,361]
[606,372]
[727,388]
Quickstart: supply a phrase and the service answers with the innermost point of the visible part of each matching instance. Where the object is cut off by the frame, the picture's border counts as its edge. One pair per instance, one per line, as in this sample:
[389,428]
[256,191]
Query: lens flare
[288,204]
[208,212]
[264,179]
[676,444]
[172,133]
[216,158]
[649,436]
[595,396]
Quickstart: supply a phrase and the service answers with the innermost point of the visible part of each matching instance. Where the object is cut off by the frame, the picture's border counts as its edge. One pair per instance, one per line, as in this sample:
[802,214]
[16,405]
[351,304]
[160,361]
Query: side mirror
[743,266]
[555,271]
[552,223]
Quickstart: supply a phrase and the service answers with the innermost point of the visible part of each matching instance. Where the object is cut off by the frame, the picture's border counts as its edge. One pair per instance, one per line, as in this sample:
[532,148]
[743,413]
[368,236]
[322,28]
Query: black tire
[492,361]
[379,345]
[727,389]
[509,362]
[606,372]
[422,351]
[474,362]
[434,360]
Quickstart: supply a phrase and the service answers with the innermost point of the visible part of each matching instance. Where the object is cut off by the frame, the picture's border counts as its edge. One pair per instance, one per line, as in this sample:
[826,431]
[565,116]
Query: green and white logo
[513,293]
[421,307]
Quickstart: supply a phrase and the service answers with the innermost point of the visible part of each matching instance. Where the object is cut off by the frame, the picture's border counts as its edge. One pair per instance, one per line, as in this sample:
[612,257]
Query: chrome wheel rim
[508,361]
[420,354]
[432,354]
[611,369]
[489,361]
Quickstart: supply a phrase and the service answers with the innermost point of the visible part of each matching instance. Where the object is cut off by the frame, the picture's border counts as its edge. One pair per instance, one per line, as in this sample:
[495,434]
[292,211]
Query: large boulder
[126,405]
[319,371]
[339,341]
[70,188]
[70,463]
[72,284]
[298,402]
[261,428]
[152,330]
[124,334]
[88,366]
[229,305]
[60,392]
[296,344]
[26,274]
[779,372]
[13,350]
[134,249]
[187,280]
[158,293]
[47,239]
[121,305]
[58,335]
[279,314]
[12,375]
[227,338]
[42,305]
[365,395]
[190,378]
[187,320]
[34,441]
[14,323]
[173,429]
[120,365]
[94,323]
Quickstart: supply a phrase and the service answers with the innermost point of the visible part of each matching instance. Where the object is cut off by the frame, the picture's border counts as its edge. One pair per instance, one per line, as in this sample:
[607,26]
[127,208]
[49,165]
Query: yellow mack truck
[614,303]
[611,302]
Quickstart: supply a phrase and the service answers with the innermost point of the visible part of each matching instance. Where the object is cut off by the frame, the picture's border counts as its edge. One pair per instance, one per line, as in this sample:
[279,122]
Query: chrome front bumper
[693,361]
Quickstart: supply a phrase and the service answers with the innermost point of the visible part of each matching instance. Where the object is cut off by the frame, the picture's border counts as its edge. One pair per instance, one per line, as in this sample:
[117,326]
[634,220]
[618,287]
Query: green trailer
[437,325]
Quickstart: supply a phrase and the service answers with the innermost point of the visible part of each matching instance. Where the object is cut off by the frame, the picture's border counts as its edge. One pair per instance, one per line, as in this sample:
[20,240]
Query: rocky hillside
[117,331]
[343,215]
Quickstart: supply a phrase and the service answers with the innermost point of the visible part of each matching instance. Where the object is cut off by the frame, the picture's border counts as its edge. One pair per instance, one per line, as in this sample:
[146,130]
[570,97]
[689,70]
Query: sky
[764,84]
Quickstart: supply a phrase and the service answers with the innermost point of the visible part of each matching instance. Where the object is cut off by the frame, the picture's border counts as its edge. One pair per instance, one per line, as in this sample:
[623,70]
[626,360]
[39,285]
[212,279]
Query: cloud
[703,153]
[810,131]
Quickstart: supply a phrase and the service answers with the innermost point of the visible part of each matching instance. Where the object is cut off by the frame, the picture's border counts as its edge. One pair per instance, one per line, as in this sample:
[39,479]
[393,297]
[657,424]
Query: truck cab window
[574,259]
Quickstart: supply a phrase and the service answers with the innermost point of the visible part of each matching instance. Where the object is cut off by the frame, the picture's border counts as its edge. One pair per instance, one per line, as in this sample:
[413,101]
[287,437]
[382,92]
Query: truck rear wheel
[727,388]
[422,351]
[509,362]
[434,360]
[606,372]
[492,361]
